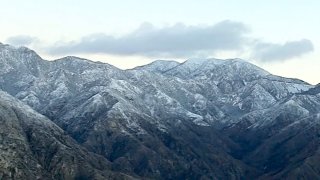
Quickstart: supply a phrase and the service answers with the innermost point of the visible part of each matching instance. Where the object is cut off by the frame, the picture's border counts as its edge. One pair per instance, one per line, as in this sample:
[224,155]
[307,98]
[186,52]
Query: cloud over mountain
[278,52]
[178,40]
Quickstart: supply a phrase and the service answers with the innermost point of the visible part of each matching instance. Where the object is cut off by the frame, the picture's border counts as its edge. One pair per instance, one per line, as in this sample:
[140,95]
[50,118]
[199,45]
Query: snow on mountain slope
[224,85]
[33,147]
[164,109]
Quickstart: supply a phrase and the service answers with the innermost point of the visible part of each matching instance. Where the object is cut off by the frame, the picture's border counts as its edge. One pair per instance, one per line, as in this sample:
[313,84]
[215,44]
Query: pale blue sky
[281,36]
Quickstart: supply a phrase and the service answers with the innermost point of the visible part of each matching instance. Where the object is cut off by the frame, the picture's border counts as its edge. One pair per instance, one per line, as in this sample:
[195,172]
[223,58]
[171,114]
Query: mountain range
[73,118]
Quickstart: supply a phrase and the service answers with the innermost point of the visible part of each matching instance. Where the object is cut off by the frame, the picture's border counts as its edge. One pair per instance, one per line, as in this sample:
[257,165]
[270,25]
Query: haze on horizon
[281,37]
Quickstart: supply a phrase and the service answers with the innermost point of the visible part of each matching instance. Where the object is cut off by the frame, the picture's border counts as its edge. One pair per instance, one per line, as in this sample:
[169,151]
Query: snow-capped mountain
[203,118]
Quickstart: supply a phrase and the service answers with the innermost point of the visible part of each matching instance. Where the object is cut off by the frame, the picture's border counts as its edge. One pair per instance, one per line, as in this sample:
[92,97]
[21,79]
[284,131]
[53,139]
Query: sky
[280,36]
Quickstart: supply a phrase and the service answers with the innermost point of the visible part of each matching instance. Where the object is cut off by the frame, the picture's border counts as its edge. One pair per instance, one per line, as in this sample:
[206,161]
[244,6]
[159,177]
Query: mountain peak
[20,59]
[16,49]
[217,69]
[79,60]
[159,66]
[196,61]
[206,68]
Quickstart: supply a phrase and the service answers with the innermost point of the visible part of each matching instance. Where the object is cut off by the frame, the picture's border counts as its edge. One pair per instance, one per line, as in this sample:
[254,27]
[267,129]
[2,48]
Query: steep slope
[292,153]
[283,140]
[33,147]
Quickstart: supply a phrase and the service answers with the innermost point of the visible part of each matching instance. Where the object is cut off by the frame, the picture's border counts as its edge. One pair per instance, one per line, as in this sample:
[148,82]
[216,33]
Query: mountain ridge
[150,121]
